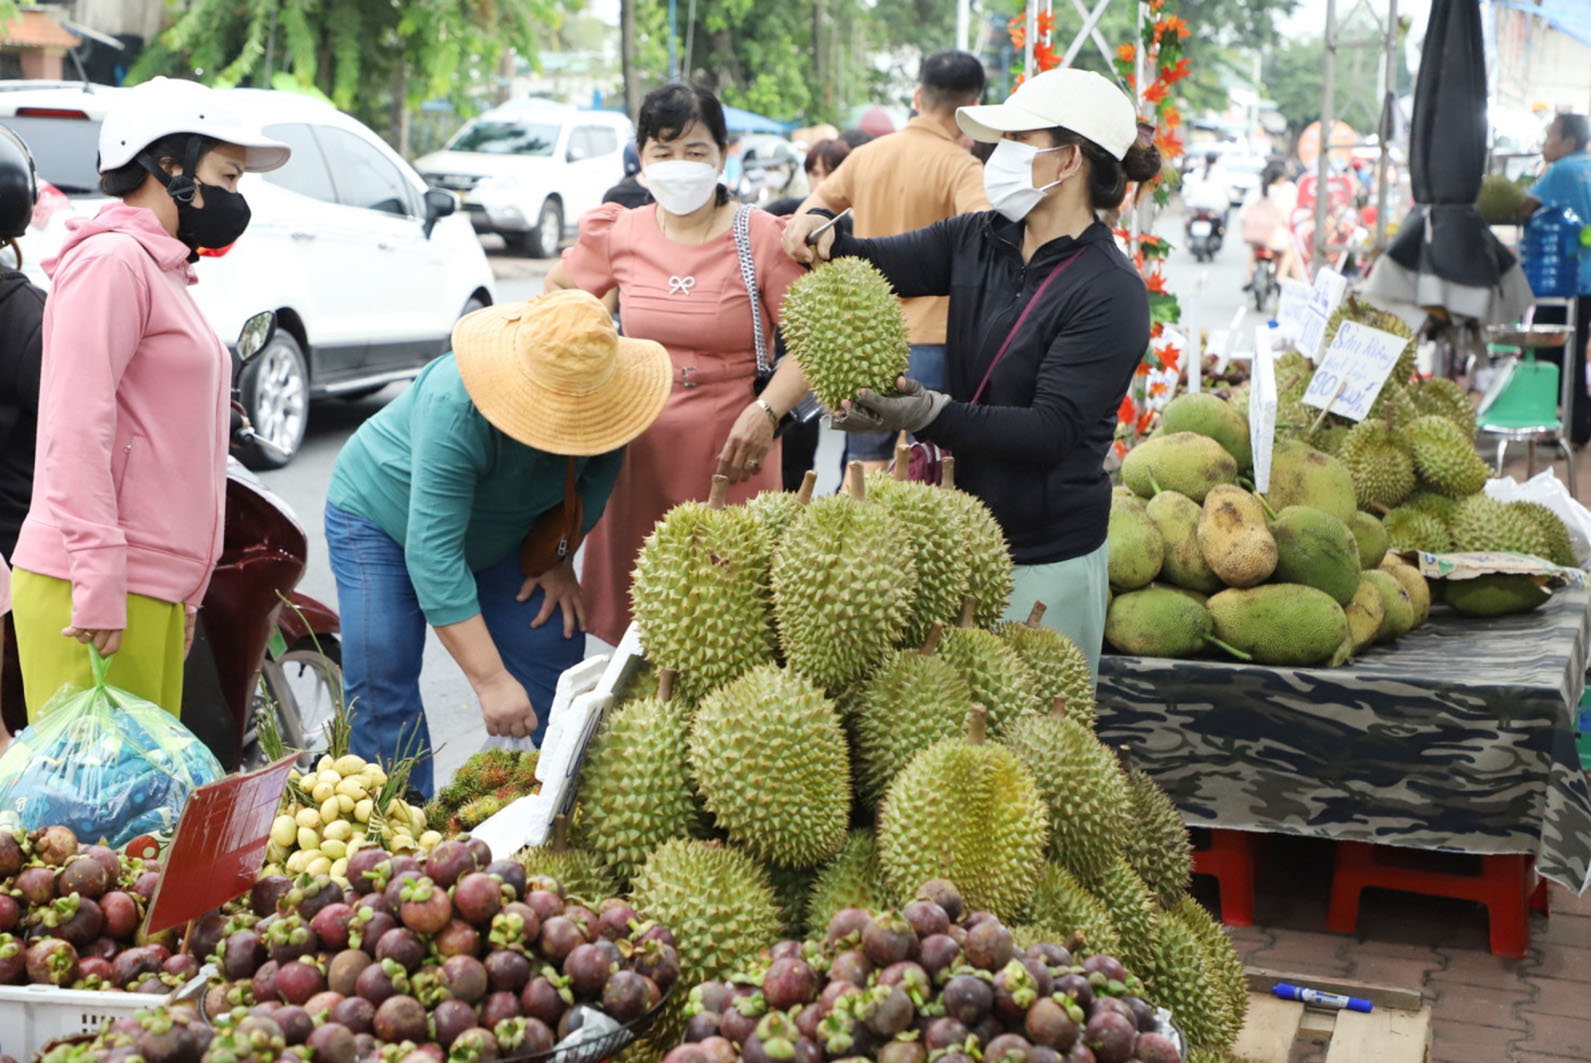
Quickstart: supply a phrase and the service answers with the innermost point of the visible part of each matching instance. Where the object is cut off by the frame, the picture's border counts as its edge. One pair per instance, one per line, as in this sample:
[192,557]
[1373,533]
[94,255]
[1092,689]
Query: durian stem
[718,497]
[560,834]
[977,725]
[665,683]
[1233,650]
[1124,757]
[1154,485]
[1382,507]
[1324,410]
[856,481]
[1036,615]
[903,461]
[931,643]
[1059,707]
[969,610]
[1265,504]
[947,473]
[809,483]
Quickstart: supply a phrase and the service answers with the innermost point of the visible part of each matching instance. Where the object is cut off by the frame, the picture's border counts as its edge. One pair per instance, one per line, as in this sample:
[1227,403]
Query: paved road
[1211,291]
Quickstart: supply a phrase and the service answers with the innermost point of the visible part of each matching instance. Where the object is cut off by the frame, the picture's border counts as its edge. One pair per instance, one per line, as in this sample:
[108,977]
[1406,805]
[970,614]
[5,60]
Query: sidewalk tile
[1556,1035]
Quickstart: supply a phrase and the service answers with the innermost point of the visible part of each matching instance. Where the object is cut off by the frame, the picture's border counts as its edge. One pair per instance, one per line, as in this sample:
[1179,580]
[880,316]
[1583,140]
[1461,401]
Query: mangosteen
[401,1018]
[718,1050]
[1109,966]
[134,963]
[74,919]
[507,971]
[458,938]
[1143,1014]
[331,925]
[894,1013]
[356,1013]
[97,971]
[946,1033]
[903,1052]
[1111,1036]
[295,1023]
[475,1045]
[451,1018]
[101,948]
[297,981]
[833,992]
[369,870]
[499,1008]
[263,984]
[587,968]
[322,1004]
[989,945]
[342,973]
[11,854]
[51,961]
[943,892]
[702,1025]
[1114,1005]
[846,925]
[86,877]
[559,937]
[1077,987]
[543,1000]
[425,906]
[545,903]
[1014,992]
[477,897]
[393,894]
[789,983]
[201,941]
[465,977]
[615,920]
[686,1053]
[888,938]
[988,1030]
[624,997]
[712,996]
[851,966]
[968,999]
[10,910]
[1048,1023]
[450,861]
[332,1043]
[54,846]
[926,918]
[1156,1048]
[369,925]
[737,1026]
[403,946]
[312,896]
[145,884]
[37,886]
[1055,957]
[478,849]
[657,961]
[911,977]
[1043,980]
[381,981]
[511,873]
[183,965]
[1045,1054]
[1008,1048]
[584,918]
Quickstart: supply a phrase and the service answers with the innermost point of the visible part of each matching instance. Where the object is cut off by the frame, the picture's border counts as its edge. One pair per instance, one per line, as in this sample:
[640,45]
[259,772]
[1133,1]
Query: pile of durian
[812,737]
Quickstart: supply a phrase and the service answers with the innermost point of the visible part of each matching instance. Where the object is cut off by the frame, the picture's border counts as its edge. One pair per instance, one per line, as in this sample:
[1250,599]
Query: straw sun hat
[554,374]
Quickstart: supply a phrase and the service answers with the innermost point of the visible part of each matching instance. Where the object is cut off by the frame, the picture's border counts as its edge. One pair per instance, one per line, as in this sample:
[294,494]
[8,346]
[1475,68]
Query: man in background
[902,182]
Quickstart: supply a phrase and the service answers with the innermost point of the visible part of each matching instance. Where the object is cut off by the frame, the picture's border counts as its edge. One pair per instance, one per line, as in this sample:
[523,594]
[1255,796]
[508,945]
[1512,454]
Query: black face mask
[222,219]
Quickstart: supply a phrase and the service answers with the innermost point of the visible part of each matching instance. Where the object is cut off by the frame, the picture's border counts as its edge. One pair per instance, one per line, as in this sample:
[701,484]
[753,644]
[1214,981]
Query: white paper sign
[1262,408]
[1353,370]
[1292,308]
[1330,287]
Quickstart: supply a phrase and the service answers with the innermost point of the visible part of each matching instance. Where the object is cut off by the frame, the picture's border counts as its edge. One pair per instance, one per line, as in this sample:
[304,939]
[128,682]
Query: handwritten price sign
[1262,408]
[1330,286]
[1353,371]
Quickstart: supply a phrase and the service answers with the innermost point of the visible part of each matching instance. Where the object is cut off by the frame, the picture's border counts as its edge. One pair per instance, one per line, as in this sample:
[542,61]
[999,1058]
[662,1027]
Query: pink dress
[691,299]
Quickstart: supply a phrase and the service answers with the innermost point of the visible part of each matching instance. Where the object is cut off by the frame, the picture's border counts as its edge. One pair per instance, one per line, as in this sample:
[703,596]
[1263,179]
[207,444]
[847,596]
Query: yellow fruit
[362,810]
[339,870]
[318,866]
[333,848]
[430,839]
[401,843]
[321,792]
[308,838]
[353,788]
[340,831]
[296,862]
[348,764]
[308,783]
[330,810]
[284,831]
[345,804]
[308,817]
[325,763]
[271,869]
[275,854]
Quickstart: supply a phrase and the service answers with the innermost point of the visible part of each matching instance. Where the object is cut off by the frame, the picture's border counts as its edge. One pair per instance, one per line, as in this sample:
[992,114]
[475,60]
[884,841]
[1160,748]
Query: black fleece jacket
[1033,448]
[21,353]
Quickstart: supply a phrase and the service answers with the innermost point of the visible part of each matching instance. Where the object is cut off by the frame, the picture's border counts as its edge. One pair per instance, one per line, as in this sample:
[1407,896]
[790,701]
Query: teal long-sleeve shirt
[457,494]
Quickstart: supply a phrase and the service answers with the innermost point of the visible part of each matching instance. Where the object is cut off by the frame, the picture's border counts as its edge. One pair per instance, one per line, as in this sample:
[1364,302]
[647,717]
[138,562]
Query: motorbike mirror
[257,332]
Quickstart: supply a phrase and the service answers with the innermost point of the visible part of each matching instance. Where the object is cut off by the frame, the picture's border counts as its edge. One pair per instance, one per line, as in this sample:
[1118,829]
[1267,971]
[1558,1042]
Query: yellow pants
[148,665]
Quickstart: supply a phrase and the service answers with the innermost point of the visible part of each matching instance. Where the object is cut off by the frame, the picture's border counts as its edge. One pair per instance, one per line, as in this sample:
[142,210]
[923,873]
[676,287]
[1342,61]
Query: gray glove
[911,409]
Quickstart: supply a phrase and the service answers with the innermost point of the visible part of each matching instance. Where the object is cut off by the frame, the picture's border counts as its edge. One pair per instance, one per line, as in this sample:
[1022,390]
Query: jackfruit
[1316,549]
[1446,457]
[1303,476]
[1182,461]
[1444,398]
[1234,538]
[1481,523]
[968,810]
[1280,623]
[1137,548]
[1560,548]
[1397,607]
[1059,668]
[1416,529]
[1177,517]
[1365,613]
[1157,622]
[933,526]
[989,565]
[1414,583]
[914,700]
[846,328]
[1500,199]
[1379,462]
[1209,415]
[1495,594]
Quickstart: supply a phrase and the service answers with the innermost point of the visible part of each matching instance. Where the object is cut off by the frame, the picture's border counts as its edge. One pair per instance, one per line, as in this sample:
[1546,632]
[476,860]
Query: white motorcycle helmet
[164,106]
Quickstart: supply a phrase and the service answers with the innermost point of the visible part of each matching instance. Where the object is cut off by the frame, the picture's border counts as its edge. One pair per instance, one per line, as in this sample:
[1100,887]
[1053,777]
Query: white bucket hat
[163,106]
[1080,100]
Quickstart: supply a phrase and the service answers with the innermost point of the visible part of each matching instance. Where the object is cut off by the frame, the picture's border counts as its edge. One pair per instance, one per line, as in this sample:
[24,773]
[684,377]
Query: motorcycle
[1206,229]
[1265,287]
[261,648]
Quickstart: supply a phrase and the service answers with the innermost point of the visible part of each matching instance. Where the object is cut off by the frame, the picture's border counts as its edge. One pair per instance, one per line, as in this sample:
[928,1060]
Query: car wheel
[543,240]
[276,396]
[302,689]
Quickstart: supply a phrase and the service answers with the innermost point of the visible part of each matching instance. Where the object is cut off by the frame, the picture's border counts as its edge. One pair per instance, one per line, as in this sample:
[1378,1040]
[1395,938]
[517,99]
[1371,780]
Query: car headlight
[501,184]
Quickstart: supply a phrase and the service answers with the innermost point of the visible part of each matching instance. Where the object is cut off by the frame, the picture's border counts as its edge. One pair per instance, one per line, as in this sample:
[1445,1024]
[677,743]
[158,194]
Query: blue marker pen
[1316,998]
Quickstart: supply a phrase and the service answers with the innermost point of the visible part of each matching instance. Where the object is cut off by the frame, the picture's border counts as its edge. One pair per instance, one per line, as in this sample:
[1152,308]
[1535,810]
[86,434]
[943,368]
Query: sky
[1309,18]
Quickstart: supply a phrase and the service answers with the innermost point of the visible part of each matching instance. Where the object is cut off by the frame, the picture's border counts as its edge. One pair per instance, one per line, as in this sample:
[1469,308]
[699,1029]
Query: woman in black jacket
[1048,322]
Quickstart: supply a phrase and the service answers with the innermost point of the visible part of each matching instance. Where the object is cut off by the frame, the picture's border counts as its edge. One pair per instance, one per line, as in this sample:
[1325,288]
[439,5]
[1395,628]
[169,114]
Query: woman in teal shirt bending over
[431,498]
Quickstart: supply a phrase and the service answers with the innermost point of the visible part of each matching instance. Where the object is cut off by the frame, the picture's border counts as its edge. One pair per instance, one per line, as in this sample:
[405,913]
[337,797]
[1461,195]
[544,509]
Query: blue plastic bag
[105,763]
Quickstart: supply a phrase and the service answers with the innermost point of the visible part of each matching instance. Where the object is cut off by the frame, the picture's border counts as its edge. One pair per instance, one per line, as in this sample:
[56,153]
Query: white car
[366,268]
[528,170]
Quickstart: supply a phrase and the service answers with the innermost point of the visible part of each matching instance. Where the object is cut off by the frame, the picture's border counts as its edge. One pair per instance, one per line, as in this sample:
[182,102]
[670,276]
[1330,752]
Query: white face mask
[1008,179]
[681,186]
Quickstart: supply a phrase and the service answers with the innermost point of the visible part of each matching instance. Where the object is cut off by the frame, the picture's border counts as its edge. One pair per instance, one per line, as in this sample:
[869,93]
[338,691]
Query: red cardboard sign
[219,845]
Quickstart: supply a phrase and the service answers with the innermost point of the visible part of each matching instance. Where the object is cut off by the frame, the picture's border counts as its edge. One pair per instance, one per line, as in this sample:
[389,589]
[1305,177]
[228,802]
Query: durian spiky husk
[1482,523]
[995,673]
[1434,503]
[910,703]
[1446,457]
[1221,957]
[1379,462]
[700,594]
[1445,398]
[970,812]
[1060,670]
[776,509]
[1132,912]
[1180,979]
[844,584]
[1062,904]
[990,569]
[635,788]
[1560,547]
[932,522]
[1157,844]
[1083,787]
[853,879]
[773,766]
[581,872]
[1416,529]
[845,326]
[790,887]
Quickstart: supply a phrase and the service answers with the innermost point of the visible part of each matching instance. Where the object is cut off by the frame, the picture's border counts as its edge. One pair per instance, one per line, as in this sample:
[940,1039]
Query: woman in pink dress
[677,269]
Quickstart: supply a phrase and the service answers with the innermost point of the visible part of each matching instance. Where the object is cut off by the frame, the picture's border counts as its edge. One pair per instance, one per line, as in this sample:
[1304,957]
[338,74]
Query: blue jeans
[927,367]
[383,641]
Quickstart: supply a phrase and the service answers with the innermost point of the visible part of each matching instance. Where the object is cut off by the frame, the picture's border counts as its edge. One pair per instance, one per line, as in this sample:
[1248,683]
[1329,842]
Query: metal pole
[1328,120]
[963,24]
[1389,121]
[1140,68]
[1030,38]
[673,35]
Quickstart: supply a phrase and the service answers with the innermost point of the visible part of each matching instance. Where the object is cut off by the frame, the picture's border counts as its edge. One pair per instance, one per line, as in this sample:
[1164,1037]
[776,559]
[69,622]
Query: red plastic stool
[1507,886]
[1230,858]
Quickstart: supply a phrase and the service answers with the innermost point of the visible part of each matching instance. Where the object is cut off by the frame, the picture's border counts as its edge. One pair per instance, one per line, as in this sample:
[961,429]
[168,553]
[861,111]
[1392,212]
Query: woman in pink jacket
[129,482]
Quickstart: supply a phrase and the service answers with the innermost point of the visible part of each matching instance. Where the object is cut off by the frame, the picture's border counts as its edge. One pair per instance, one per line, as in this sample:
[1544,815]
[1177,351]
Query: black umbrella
[1445,254]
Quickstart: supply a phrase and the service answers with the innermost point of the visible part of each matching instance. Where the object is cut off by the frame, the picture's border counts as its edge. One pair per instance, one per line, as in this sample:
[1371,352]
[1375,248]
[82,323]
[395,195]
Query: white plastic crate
[31,1016]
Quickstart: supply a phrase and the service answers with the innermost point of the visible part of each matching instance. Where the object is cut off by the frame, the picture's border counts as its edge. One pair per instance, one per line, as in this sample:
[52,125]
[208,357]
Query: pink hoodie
[130,480]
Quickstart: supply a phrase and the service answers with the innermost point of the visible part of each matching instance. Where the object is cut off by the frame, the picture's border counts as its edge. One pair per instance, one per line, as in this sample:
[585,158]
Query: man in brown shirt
[905,181]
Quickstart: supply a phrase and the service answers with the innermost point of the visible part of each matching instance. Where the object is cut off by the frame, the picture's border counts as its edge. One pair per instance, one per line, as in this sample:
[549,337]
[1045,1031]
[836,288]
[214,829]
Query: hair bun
[1142,162]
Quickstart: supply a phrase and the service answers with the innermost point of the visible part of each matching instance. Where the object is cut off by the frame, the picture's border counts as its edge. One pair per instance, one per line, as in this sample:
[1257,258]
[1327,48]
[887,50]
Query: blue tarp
[745,122]
[1568,16]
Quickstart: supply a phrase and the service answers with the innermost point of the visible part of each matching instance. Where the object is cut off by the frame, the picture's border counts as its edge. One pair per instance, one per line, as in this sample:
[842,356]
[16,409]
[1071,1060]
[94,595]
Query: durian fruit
[1083,788]
[1132,912]
[790,887]
[1433,503]
[1061,904]
[1482,523]
[1500,199]
[853,879]
[1379,462]
[1221,958]
[967,810]
[1181,980]
[1560,548]
[700,593]
[932,525]
[773,766]
[1156,844]
[1495,594]
[994,672]
[581,872]
[1444,398]
[846,328]
[776,509]
[635,787]
[1060,670]
[1330,438]
[989,565]
[1416,529]
[914,700]
[844,584]
[1446,457]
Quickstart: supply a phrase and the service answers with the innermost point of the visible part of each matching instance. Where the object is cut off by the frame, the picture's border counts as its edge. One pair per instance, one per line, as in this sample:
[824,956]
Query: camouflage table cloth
[1459,736]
